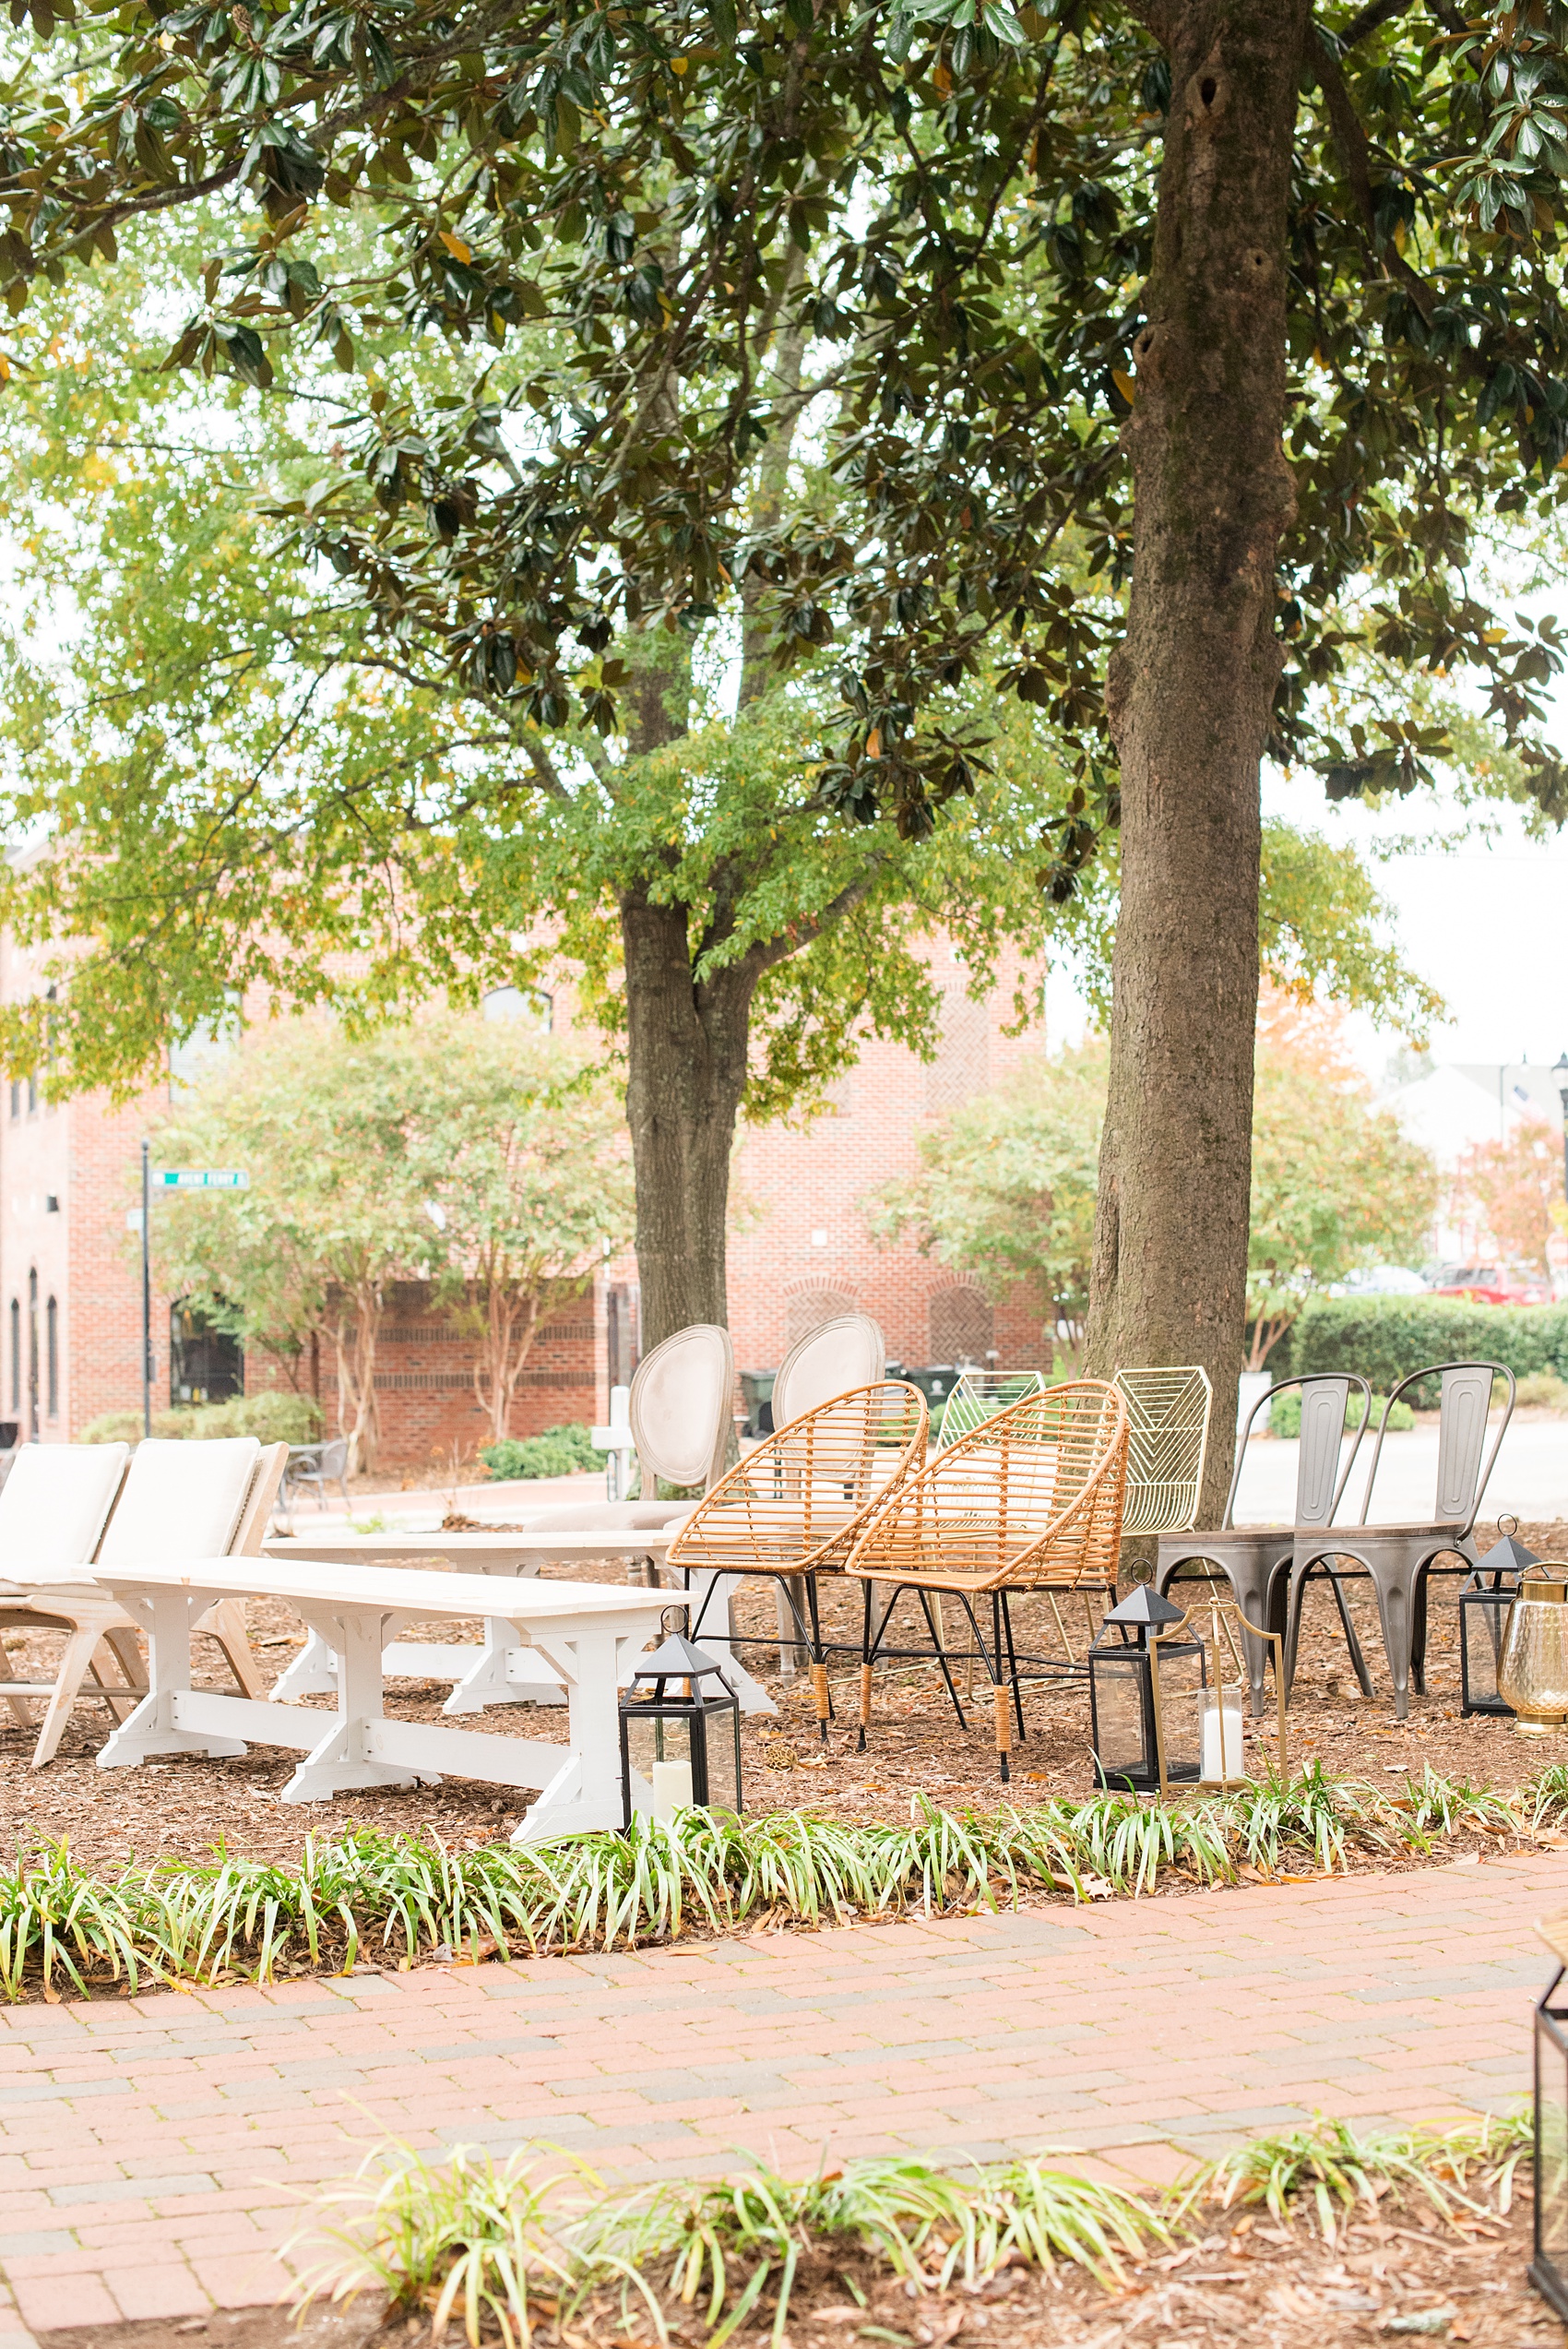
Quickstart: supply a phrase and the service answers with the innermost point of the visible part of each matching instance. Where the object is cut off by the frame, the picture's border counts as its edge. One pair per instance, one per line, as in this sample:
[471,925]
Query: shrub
[273,1417]
[1285,1415]
[1384,1339]
[1545,1390]
[556,1451]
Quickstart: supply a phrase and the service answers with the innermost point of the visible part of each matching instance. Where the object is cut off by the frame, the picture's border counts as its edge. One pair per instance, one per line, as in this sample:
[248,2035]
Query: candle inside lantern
[671,1789]
[1223,1754]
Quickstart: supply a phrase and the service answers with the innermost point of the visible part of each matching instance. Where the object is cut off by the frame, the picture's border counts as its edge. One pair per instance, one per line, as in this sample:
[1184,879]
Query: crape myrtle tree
[1148,358]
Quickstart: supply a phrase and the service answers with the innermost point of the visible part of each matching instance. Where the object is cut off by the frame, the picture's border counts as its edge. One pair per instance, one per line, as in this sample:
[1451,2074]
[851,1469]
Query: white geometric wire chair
[979,1395]
[1167,1412]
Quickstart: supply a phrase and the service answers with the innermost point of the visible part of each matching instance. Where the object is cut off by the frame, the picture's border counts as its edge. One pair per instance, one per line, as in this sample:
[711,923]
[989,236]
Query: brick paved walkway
[149,2144]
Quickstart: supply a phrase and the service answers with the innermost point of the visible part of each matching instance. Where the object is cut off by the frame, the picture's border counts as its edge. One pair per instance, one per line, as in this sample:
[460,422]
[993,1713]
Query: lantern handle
[1223,1609]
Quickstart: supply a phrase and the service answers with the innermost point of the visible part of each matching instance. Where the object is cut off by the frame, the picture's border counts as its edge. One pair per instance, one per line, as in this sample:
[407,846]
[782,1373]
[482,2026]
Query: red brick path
[150,2144]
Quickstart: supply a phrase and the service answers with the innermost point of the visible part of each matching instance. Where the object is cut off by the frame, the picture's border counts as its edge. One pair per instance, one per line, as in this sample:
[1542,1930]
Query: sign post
[170,1178]
[145,1306]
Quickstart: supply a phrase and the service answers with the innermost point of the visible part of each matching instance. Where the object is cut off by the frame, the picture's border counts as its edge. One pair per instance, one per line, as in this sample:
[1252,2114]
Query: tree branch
[1355,152]
[1376,12]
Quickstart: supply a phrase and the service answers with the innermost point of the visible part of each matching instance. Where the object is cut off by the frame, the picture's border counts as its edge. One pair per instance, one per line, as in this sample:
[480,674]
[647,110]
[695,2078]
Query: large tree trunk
[1189,698]
[685,1073]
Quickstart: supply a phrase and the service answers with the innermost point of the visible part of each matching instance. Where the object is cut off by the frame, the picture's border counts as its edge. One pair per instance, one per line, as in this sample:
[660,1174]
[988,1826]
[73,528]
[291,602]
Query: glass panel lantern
[1548,2268]
[1145,1694]
[680,1734]
[1485,1598]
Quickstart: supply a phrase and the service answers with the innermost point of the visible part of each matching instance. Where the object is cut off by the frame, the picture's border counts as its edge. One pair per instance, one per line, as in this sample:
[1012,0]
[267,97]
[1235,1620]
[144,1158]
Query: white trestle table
[495,1674]
[589,1634]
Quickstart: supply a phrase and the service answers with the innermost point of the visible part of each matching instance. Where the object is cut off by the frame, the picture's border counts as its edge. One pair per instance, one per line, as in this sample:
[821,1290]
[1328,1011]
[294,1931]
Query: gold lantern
[1532,1675]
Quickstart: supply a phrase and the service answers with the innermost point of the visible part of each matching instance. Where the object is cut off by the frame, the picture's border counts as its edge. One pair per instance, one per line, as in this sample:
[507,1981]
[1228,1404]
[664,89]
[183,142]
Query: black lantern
[1548,2268]
[680,1738]
[1146,1697]
[1485,1597]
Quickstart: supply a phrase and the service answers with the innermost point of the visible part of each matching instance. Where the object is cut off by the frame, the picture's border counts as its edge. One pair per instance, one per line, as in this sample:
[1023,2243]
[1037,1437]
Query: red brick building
[802,1250]
[70,1299]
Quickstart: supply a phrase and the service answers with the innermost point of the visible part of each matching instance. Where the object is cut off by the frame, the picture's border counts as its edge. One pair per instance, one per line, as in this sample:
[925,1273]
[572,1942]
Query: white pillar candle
[1218,1764]
[671,1789]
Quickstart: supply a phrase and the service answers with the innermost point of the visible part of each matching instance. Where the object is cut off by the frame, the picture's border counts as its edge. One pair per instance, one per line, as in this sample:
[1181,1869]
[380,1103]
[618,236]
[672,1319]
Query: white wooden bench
[495,1674]
[589,1634]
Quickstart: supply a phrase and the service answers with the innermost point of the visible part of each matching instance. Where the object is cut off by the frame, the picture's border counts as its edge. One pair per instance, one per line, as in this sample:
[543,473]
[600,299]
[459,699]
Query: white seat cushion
[182,1500]
[54,1502]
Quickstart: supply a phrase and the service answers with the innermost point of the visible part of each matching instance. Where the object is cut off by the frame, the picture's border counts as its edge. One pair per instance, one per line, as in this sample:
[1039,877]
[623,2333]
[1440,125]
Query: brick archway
[962,1324]
[807,1309]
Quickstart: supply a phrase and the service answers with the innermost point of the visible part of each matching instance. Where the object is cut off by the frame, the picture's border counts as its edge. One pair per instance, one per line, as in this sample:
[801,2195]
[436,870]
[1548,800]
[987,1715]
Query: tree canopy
[1156,364]
[455,1152]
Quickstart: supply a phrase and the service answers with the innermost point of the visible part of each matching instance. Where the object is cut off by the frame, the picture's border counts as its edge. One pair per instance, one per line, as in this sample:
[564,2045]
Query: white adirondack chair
[178,1501]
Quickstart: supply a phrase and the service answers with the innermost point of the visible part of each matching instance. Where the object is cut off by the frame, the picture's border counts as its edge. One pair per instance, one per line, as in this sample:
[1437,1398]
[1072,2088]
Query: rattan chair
[1031,1500]
[793,1508]
[1167,1445]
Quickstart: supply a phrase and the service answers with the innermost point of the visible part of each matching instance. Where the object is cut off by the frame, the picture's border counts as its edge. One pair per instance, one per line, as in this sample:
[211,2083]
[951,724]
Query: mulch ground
[191,1805]
[1280,2288]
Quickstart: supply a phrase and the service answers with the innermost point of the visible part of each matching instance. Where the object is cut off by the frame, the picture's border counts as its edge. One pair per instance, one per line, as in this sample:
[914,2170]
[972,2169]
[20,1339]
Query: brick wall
[802,1250]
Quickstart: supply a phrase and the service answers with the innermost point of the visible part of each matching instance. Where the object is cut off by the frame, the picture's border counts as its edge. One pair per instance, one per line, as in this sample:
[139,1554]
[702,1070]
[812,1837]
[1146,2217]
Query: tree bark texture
[1189,697]
[685,1073]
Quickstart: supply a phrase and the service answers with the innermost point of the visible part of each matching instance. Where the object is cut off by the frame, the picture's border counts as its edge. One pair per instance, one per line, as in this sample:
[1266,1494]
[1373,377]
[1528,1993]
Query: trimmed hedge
[1384,1339]
[277,1415]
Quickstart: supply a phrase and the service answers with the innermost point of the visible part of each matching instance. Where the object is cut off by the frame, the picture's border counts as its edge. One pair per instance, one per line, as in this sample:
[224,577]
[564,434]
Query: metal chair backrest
[800,1499]
[334,1457]
[1461,1433]
[1167,1445]
[56,1502]
[682,1407]
[838,1357]
[979,1395]
[1325,1397]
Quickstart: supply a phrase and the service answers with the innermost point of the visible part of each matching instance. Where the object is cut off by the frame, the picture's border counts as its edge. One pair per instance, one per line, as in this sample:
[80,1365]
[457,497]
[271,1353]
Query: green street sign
[201,1178]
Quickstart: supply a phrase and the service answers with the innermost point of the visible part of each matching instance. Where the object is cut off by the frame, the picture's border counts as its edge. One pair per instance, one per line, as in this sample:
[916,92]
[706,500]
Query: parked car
[1380,1281]
[1491,1284]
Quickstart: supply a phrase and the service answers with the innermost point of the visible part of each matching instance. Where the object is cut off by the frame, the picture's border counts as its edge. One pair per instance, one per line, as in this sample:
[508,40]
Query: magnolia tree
[1164,365]
[459,1153]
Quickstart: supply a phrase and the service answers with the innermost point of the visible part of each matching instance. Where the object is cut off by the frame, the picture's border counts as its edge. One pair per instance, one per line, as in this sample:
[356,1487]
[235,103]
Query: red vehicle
[1489,1285]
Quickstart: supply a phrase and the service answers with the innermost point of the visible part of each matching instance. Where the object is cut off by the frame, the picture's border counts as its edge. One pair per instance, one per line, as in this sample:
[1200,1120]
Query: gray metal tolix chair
[1398,1559]
[1255,1559]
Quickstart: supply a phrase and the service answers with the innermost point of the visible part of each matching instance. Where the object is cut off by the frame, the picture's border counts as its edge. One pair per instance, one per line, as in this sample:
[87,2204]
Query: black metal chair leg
[865,1669]
[941,1654]
[1013,1668]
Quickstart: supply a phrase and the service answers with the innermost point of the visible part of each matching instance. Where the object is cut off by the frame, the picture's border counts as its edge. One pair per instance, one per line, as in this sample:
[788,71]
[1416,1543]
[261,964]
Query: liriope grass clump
[1463,2172]
[504,2246]
[365,1897]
